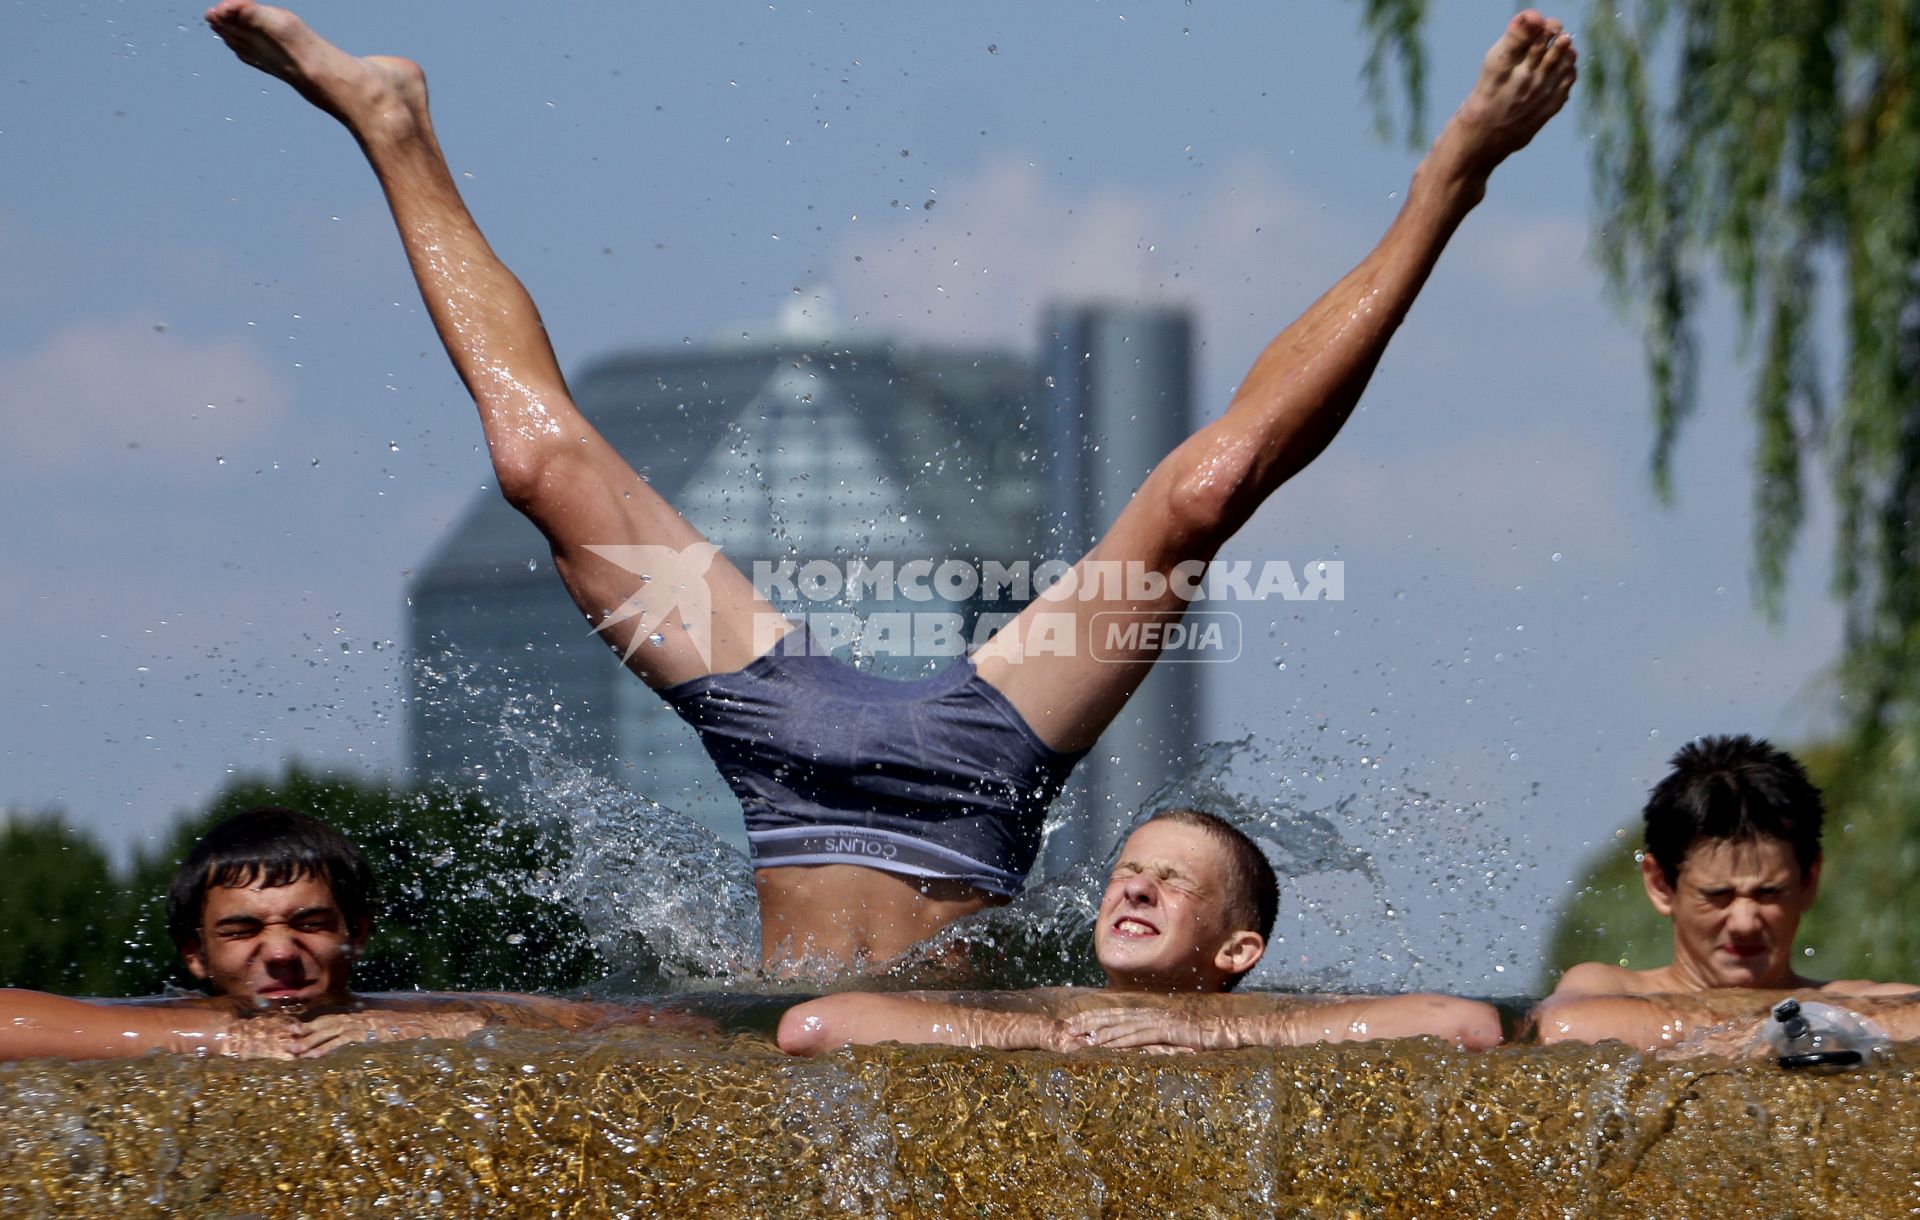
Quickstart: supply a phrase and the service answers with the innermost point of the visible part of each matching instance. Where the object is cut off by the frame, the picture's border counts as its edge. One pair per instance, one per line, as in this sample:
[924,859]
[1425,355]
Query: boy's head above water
[1189,906]
[1733,858]
[272,905]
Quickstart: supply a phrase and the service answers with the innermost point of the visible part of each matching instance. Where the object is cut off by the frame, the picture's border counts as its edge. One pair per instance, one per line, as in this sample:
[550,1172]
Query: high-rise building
[805,448]
[1120,397]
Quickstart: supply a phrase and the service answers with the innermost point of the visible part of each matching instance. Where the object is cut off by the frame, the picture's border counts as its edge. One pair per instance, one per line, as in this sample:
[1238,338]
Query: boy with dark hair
[1186,915]
[1733,859]
[270,847]
[270,908]
[1741,789]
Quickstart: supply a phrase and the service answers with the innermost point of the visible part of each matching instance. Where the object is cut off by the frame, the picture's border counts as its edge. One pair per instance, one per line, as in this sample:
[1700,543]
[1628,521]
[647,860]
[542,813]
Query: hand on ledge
[1151,1029]
[326,1034]
[269,1035]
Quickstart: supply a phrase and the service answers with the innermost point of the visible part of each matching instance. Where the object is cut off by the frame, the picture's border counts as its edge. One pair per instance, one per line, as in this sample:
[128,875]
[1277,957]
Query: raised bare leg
[1068,684]
[642,573]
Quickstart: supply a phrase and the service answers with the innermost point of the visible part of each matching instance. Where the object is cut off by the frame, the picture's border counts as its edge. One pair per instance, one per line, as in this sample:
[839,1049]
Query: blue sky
[228,432]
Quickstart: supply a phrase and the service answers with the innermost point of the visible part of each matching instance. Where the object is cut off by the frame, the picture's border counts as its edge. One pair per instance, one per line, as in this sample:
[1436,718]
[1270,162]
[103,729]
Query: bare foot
[1524,81]
[374,96]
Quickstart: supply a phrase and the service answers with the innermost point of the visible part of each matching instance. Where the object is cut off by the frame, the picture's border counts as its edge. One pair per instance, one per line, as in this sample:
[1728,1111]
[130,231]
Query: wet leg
[656,589]
[1069,684]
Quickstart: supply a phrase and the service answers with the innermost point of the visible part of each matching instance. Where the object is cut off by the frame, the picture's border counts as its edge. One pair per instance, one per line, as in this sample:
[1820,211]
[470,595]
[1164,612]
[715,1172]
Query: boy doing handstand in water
[879,812]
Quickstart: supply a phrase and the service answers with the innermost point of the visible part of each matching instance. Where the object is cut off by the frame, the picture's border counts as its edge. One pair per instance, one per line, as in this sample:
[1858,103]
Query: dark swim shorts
[931,777]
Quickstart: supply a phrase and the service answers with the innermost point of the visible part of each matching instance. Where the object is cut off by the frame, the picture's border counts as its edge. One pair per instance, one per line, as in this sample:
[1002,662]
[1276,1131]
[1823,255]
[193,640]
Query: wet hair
[270,846]
[1737,789]
[1253,891]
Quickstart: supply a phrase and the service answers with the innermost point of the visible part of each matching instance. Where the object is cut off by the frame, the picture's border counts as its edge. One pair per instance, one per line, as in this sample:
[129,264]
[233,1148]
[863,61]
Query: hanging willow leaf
[1774,149]
[1393,26]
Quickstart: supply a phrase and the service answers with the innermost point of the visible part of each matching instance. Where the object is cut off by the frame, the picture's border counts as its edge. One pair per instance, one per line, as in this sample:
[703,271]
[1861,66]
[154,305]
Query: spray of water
[662,899]
[1384,885]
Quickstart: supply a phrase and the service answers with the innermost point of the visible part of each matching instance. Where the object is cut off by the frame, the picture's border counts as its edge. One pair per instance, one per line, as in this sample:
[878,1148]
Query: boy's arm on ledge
[34,1024]
[1714,1023]
[390,1018]
[1644,1022]
[1006,1021]
[1225,1022]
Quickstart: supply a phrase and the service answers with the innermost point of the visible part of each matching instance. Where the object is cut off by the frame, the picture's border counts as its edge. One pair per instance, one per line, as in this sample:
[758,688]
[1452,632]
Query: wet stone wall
[644,1124]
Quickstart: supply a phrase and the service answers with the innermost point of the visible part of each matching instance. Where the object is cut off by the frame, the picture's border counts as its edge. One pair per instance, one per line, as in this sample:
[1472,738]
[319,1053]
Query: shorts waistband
[886,850]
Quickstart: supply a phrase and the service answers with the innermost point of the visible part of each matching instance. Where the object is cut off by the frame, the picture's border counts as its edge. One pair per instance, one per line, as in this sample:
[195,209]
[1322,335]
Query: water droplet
[1556,556]
[393,446]
[219,461]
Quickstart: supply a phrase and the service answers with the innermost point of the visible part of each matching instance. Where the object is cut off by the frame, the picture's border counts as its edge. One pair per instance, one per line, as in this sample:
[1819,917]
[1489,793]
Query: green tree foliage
[61,922]
[457,910]
[1394,28]
[1861,925]
[1774,148]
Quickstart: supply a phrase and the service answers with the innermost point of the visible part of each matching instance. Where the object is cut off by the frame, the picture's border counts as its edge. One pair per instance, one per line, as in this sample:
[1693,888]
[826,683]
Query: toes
[1561,56]
[1521,34]
[1527,25]
[1540,50]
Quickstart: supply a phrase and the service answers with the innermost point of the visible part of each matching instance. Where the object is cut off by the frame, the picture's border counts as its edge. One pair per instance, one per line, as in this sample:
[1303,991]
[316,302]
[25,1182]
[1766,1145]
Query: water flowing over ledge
[639,1123]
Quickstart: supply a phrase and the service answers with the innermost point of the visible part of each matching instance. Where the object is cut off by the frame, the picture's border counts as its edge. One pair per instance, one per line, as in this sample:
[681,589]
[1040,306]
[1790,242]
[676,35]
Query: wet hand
[1153,1029]
[265,1036]
[326,1034]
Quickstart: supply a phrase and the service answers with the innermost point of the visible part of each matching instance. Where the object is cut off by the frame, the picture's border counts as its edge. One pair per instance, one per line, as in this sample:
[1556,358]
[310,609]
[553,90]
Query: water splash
[1385,886]
[662,898]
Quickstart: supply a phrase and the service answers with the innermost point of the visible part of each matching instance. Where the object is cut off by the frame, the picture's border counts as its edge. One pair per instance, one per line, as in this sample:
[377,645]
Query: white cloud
[1242,243]
[977,267]
[1529,260]
[110,385]
[1241,246]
